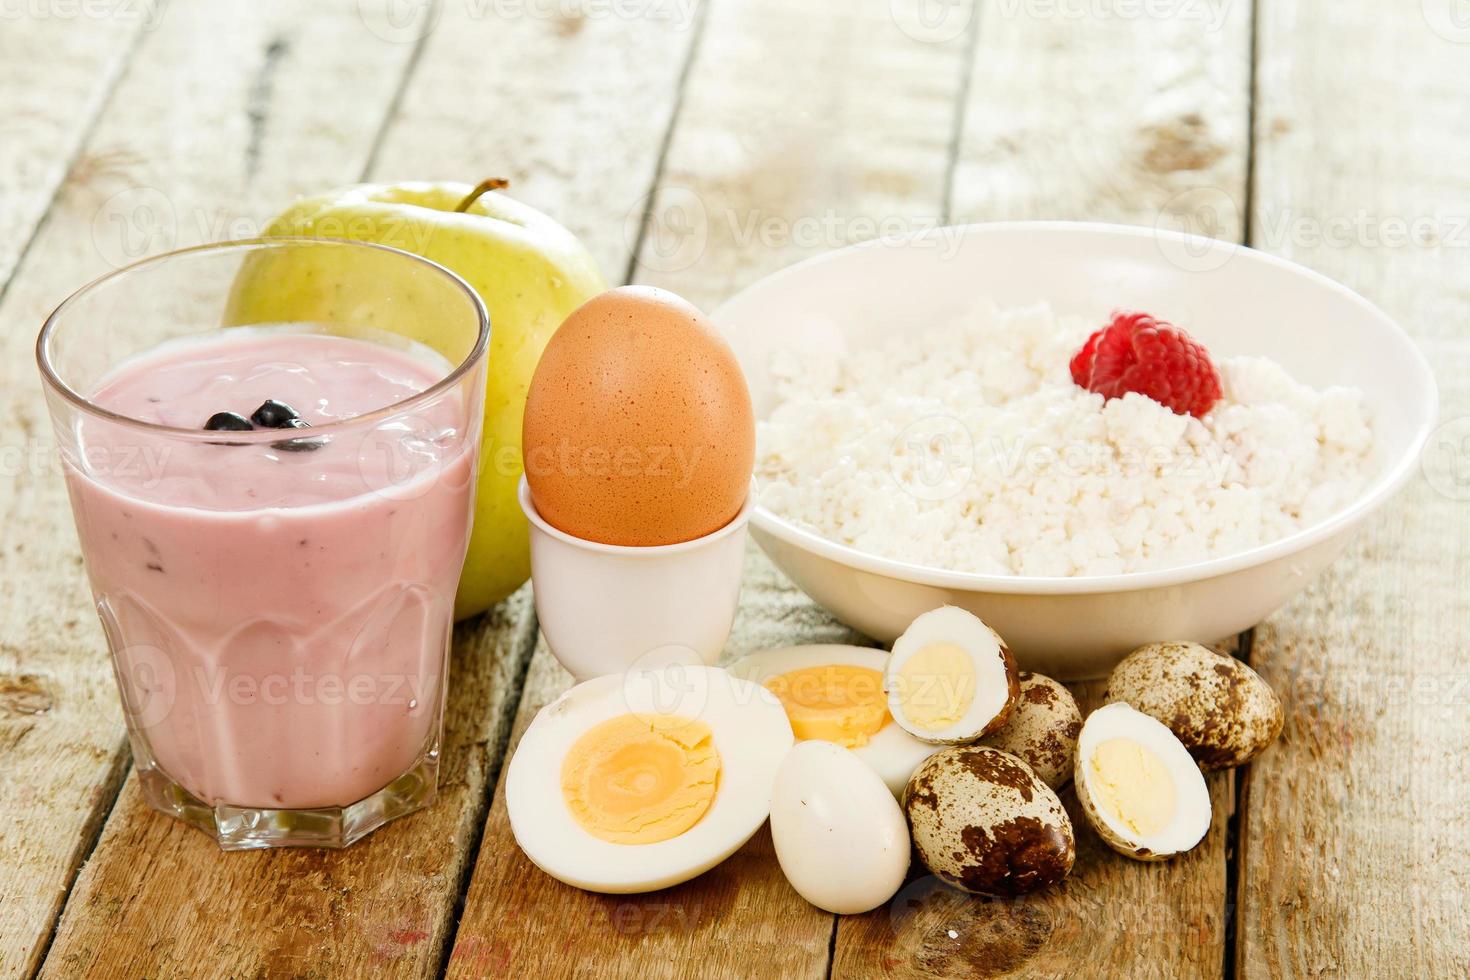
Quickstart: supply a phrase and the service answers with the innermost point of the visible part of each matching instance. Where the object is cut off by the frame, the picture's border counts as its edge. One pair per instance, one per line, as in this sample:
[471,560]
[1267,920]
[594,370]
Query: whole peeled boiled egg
[834,692]
[840,836]
[639,429]
[629,783]
[1138,784]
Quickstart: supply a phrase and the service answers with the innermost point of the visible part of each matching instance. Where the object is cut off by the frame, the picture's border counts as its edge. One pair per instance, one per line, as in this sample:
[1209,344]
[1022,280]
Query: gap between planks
[83,135]
[432,11]
[667,141]
[482,809]
[113,790]
[1239,826]
[111,786]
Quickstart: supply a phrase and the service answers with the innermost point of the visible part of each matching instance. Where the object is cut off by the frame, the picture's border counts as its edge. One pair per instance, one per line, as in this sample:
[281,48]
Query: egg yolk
[834,703]
[640,779]
[1131,783]
[936,686]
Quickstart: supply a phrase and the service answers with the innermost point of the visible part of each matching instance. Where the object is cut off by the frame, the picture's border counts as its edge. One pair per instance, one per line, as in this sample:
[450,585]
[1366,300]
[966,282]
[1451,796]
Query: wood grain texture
[168,164]
[739,919]
[1136,113]
[1110,118]
[56,75]
[386,905]
[159,899]
[1356,828]
[757,176]
[1113,917]
[841,131]
[569,101]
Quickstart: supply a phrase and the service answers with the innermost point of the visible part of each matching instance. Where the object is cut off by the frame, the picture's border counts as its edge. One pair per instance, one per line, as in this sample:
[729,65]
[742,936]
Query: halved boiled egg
[951,678]
[629,783]
[834,693]
[1139,786]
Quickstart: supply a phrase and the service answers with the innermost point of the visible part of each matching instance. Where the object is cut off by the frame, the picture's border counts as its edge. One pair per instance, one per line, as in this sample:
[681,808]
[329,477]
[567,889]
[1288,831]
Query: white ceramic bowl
[1233,299]
[607,609]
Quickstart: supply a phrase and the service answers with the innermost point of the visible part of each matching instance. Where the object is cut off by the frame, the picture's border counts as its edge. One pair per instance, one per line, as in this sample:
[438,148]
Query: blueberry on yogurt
[228,422]
[274,414]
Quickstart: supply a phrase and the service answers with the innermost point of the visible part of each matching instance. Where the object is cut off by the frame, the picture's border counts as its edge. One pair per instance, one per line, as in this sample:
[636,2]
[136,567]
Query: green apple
[530,271]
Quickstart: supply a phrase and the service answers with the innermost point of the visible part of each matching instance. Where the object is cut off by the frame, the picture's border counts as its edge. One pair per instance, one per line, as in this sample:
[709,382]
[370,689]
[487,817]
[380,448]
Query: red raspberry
[1136,352]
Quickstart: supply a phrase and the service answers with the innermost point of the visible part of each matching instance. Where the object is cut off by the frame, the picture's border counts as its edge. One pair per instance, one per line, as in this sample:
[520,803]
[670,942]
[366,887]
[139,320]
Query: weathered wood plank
[782,149]
[169,163]
[381,908]
[1356,828]
[1107,117]
[1134,113]
[568,101]
[386,905]
[1112,918]
[802,131]
[56,74]
[731,921]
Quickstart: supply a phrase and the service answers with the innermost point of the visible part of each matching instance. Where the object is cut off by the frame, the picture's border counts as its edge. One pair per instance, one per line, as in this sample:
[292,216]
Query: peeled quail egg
[1222,711]
[839,834]
[983,822]
[1138,785]
[834,692]
[638,781]
[1042,729]
[950,679]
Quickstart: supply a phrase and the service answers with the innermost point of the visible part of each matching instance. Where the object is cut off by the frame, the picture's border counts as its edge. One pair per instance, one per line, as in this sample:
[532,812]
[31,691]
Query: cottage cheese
[967,447]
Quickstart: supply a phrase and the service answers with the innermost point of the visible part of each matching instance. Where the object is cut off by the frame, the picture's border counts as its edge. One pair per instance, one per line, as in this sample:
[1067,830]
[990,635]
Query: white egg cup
[606,609]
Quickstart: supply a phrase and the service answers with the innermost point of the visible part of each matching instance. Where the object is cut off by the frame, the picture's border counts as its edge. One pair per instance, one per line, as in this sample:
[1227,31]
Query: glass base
[243,828]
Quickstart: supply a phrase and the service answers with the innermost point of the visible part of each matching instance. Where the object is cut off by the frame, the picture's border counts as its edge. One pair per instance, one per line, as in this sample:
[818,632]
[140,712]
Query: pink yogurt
[279,619]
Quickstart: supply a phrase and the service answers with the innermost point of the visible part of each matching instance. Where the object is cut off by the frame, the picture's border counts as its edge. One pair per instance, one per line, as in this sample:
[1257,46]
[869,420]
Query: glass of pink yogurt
[270,448]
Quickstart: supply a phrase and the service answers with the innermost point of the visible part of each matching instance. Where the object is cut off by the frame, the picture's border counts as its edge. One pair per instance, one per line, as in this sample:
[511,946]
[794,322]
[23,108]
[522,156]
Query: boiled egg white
[1138,784]
[834,692]
[638,781]
[951,679]
[840,836]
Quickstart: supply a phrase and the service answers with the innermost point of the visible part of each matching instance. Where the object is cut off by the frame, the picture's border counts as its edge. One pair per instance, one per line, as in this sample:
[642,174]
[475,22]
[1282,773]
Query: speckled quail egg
[834,692]
[839,834]
[1042,729]
[951,678]
[982,821]
[1222,711]
[1138,785]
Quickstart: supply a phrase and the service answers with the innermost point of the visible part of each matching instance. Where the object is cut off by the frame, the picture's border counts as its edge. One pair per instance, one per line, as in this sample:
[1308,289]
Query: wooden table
[699,146]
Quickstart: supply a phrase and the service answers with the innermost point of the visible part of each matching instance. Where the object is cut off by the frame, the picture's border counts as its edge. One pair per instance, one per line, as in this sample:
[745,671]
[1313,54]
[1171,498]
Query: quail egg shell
[834,692]
[951,678]
[983,822]
[1139,786]
[1222,711]
[638,781]
[1042,729]
[840,836]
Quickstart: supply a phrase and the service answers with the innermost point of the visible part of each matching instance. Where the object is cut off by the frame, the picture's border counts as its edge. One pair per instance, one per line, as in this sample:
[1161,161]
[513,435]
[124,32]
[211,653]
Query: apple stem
[481,189]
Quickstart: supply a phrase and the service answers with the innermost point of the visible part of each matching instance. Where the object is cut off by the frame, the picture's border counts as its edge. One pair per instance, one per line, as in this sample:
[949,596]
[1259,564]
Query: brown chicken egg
[639,428]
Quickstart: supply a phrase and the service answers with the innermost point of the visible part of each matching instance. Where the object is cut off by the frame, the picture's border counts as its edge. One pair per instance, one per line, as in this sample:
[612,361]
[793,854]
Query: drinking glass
[278,610]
